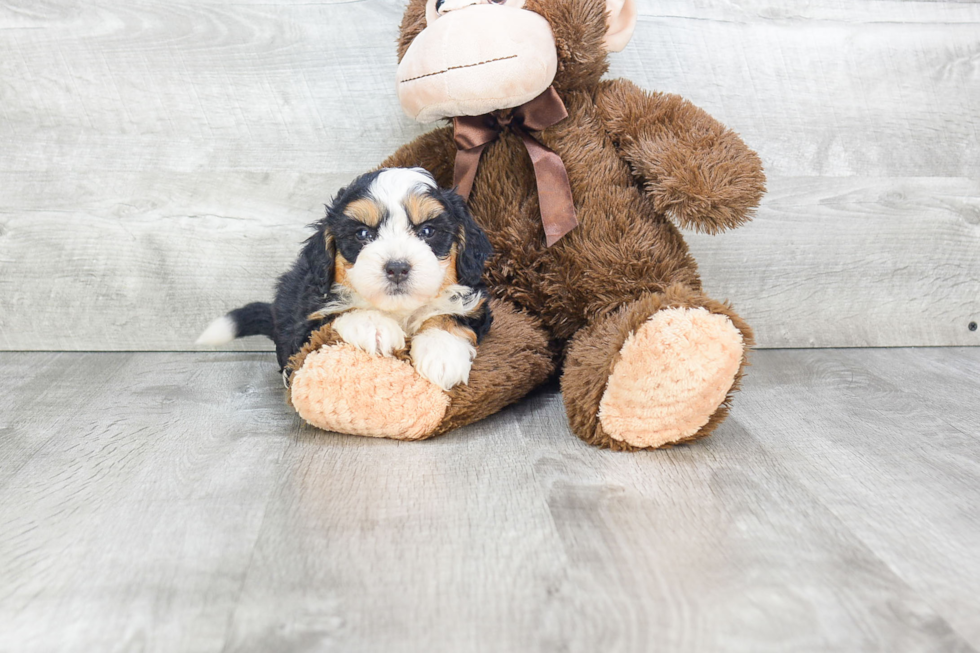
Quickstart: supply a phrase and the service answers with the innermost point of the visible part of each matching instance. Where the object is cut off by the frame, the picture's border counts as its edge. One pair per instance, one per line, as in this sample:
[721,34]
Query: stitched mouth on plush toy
[468,65]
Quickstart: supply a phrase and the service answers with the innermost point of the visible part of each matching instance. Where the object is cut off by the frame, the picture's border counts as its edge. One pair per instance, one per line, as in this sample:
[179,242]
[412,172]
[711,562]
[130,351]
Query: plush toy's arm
[697,171]
[435,151]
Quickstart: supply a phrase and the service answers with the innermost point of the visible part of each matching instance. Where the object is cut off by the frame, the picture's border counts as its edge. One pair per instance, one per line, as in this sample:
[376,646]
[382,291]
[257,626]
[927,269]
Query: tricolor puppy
[396,261]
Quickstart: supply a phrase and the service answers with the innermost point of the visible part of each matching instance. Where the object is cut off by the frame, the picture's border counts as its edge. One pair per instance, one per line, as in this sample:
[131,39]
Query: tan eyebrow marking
[365,211]
[421,208]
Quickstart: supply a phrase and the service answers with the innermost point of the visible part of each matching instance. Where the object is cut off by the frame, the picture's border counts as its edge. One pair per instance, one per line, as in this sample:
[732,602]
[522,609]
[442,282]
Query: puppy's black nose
[397,271]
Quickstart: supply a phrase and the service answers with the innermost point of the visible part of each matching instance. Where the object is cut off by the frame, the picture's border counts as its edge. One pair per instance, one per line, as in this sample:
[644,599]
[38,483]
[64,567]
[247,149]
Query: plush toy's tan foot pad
[341,388]
[672,375]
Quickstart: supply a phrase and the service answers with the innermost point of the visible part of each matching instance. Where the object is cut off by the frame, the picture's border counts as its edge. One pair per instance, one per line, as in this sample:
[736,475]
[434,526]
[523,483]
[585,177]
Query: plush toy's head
[470,57]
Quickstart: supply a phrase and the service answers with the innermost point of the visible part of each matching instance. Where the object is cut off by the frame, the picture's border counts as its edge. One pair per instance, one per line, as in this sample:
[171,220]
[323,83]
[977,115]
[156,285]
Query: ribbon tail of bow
[472,134]
[464,172]
[554,190]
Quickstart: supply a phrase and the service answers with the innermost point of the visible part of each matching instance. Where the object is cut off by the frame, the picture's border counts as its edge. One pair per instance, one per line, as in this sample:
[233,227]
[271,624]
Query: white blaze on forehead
[393,185]
[390,189]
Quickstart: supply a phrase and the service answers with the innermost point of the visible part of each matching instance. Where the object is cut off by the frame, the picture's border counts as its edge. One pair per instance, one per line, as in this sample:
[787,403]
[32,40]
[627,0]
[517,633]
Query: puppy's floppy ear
[319,254]
[473,246]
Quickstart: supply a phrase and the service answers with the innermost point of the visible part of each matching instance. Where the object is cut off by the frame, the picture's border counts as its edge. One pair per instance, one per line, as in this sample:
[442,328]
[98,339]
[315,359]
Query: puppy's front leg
[443,352]
[372,331]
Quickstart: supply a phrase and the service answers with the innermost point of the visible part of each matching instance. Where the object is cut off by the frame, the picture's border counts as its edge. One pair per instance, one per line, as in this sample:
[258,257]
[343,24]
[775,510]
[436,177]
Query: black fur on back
[301,292]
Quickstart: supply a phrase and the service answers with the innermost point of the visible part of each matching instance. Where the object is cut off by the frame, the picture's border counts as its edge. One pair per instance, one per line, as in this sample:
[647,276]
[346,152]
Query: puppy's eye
[427,231]
[364,234]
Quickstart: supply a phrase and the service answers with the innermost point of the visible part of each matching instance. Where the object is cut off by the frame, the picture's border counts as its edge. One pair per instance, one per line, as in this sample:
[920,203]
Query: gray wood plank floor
[172,502]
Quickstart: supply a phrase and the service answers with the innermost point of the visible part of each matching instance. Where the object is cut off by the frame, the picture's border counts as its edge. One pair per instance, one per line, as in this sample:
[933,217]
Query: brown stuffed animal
[590,272]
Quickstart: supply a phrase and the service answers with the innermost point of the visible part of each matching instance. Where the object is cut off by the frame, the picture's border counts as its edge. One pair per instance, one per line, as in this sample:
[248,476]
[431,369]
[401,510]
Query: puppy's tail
[251,320]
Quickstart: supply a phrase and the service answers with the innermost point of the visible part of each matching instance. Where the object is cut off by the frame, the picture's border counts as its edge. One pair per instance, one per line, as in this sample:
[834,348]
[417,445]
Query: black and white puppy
[395,258]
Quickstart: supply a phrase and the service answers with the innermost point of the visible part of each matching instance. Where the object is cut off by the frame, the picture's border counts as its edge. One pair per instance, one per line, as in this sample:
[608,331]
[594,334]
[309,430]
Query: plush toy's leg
[659,371]
[339,388]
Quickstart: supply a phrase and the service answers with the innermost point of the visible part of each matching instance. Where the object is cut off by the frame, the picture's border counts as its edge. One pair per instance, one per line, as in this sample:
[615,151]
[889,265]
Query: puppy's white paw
[443,358]
[371,331]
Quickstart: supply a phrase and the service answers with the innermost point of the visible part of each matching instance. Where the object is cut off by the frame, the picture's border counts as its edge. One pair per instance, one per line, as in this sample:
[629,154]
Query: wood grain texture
[139,486]
[883,441]
[167,502]
[160,160]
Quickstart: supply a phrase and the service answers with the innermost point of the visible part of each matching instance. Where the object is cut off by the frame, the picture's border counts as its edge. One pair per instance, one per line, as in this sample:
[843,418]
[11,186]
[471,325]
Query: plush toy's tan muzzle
[445,73]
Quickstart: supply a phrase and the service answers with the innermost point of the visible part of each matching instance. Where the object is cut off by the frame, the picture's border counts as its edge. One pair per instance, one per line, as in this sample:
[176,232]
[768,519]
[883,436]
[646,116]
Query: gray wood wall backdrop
[159,160]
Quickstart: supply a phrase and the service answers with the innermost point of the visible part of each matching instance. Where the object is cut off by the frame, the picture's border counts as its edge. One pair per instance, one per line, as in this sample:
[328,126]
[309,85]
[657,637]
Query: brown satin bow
[474,133]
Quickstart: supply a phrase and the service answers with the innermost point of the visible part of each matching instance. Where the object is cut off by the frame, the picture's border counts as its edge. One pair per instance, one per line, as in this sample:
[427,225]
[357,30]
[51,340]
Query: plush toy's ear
[621,21]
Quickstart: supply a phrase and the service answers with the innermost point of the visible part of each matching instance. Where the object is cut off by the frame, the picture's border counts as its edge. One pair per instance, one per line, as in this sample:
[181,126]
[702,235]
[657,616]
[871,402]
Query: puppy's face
[395,239]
